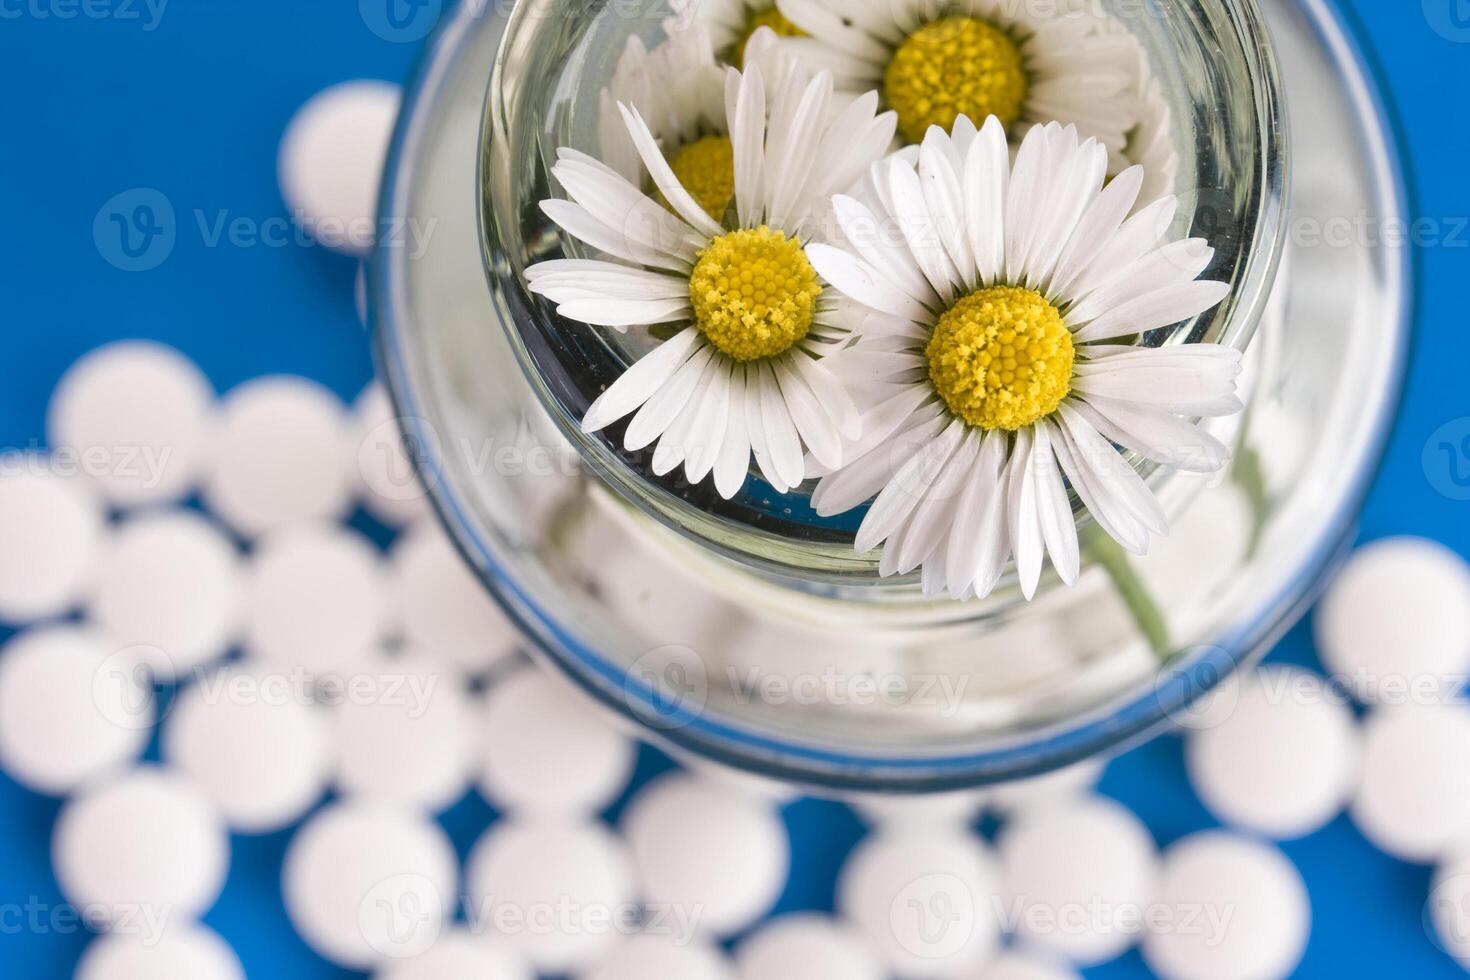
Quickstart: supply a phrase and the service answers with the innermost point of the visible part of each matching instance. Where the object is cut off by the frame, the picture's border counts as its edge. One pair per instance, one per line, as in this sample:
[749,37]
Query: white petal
[946,201]
[1175,263]
[987,174]
[1168,380]
[1138,235]
[1113,519]
[817,428]
[979,514]
[1100,222]
[748,141]
[755,429]
[782,440]
[794,153]
[1112,473]
[664,179]
[909,486]
[1160,308]
[639,382]
[577,222]
[659,412]
[831,395]
[854,278]
[673,446]
[866,233]
[919,229]
[1155,433]
[625,209]
[1025,199]
[1054,508]
[708,433]
[866,476]
[930,524]
[734,461]
[879,424]
[1022,521]
[621,313]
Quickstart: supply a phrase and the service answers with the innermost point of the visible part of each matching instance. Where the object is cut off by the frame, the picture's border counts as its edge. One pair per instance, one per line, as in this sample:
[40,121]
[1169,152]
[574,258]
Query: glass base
[830,693]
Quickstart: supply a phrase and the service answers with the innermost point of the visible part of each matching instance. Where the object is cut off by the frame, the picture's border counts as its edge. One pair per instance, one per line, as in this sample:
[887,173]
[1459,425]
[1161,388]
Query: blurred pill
[331,162]
[72,708]
[253,742]
[189,951]
[1285,760]
[148,843]
[389,487]
[171,581]
[318,599]
[403,732]
[807,946]
[1395,624]
[548,749]
[520,874]
[1227,908]
[461,955]
[1025,965]
[447,613]
[1448,908]
[699,845]
[1059,787]
[1093,855]
[50,530]
[958,809]
[1413,798]
[278,460]
[367,883]
[925,899]
[137,416]
[662,956]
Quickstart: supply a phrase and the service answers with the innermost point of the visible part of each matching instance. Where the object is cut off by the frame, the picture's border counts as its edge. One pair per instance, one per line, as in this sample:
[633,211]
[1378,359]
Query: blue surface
[192,104]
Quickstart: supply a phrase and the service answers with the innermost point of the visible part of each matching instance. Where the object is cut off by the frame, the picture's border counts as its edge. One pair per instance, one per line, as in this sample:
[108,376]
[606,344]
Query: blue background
[94,106]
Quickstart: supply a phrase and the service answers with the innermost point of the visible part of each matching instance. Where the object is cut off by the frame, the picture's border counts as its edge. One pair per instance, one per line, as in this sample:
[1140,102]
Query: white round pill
[50,527]
[699,845]
[958,809]
[548,749]
[403,732]
[561,893]
[189,951]
[1396,621]
[318,599]
[137,416]
[148,843]
[1448,908]
[663,956]
[1285,760]
[461,955]
[1028,965]
[1079,878]
[278,460]
[253,742]
[71,709]
[171,581]
[1413,798]
[807,946]
[366,883]
[1227,908]
[389,486]
[926,900]
[1061,787]
[331,162]
[446,611]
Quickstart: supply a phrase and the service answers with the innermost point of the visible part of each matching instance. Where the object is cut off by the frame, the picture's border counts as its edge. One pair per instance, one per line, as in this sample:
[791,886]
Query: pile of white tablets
[178,550]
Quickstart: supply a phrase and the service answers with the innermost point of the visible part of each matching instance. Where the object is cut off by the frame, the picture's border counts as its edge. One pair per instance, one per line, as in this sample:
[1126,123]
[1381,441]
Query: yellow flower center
[769,17]
[706,168]
[1001,358]
[951,67]
[754,293]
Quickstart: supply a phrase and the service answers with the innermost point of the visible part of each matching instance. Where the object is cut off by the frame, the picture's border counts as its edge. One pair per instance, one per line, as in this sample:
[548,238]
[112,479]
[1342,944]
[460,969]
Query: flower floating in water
[936,61]
[745,371]
[994,360]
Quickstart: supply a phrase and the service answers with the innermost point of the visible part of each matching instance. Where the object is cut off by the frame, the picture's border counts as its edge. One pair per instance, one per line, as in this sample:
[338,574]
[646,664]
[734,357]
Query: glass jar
[748,632]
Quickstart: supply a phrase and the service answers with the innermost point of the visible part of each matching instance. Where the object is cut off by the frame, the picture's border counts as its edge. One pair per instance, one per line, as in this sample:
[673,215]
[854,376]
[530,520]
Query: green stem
[1146,613]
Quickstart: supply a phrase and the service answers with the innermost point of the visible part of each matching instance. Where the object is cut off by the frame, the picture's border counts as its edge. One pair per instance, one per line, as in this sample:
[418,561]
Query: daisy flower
[680,92]
[997,360]
[732,23]
[937,60]
[744,372]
